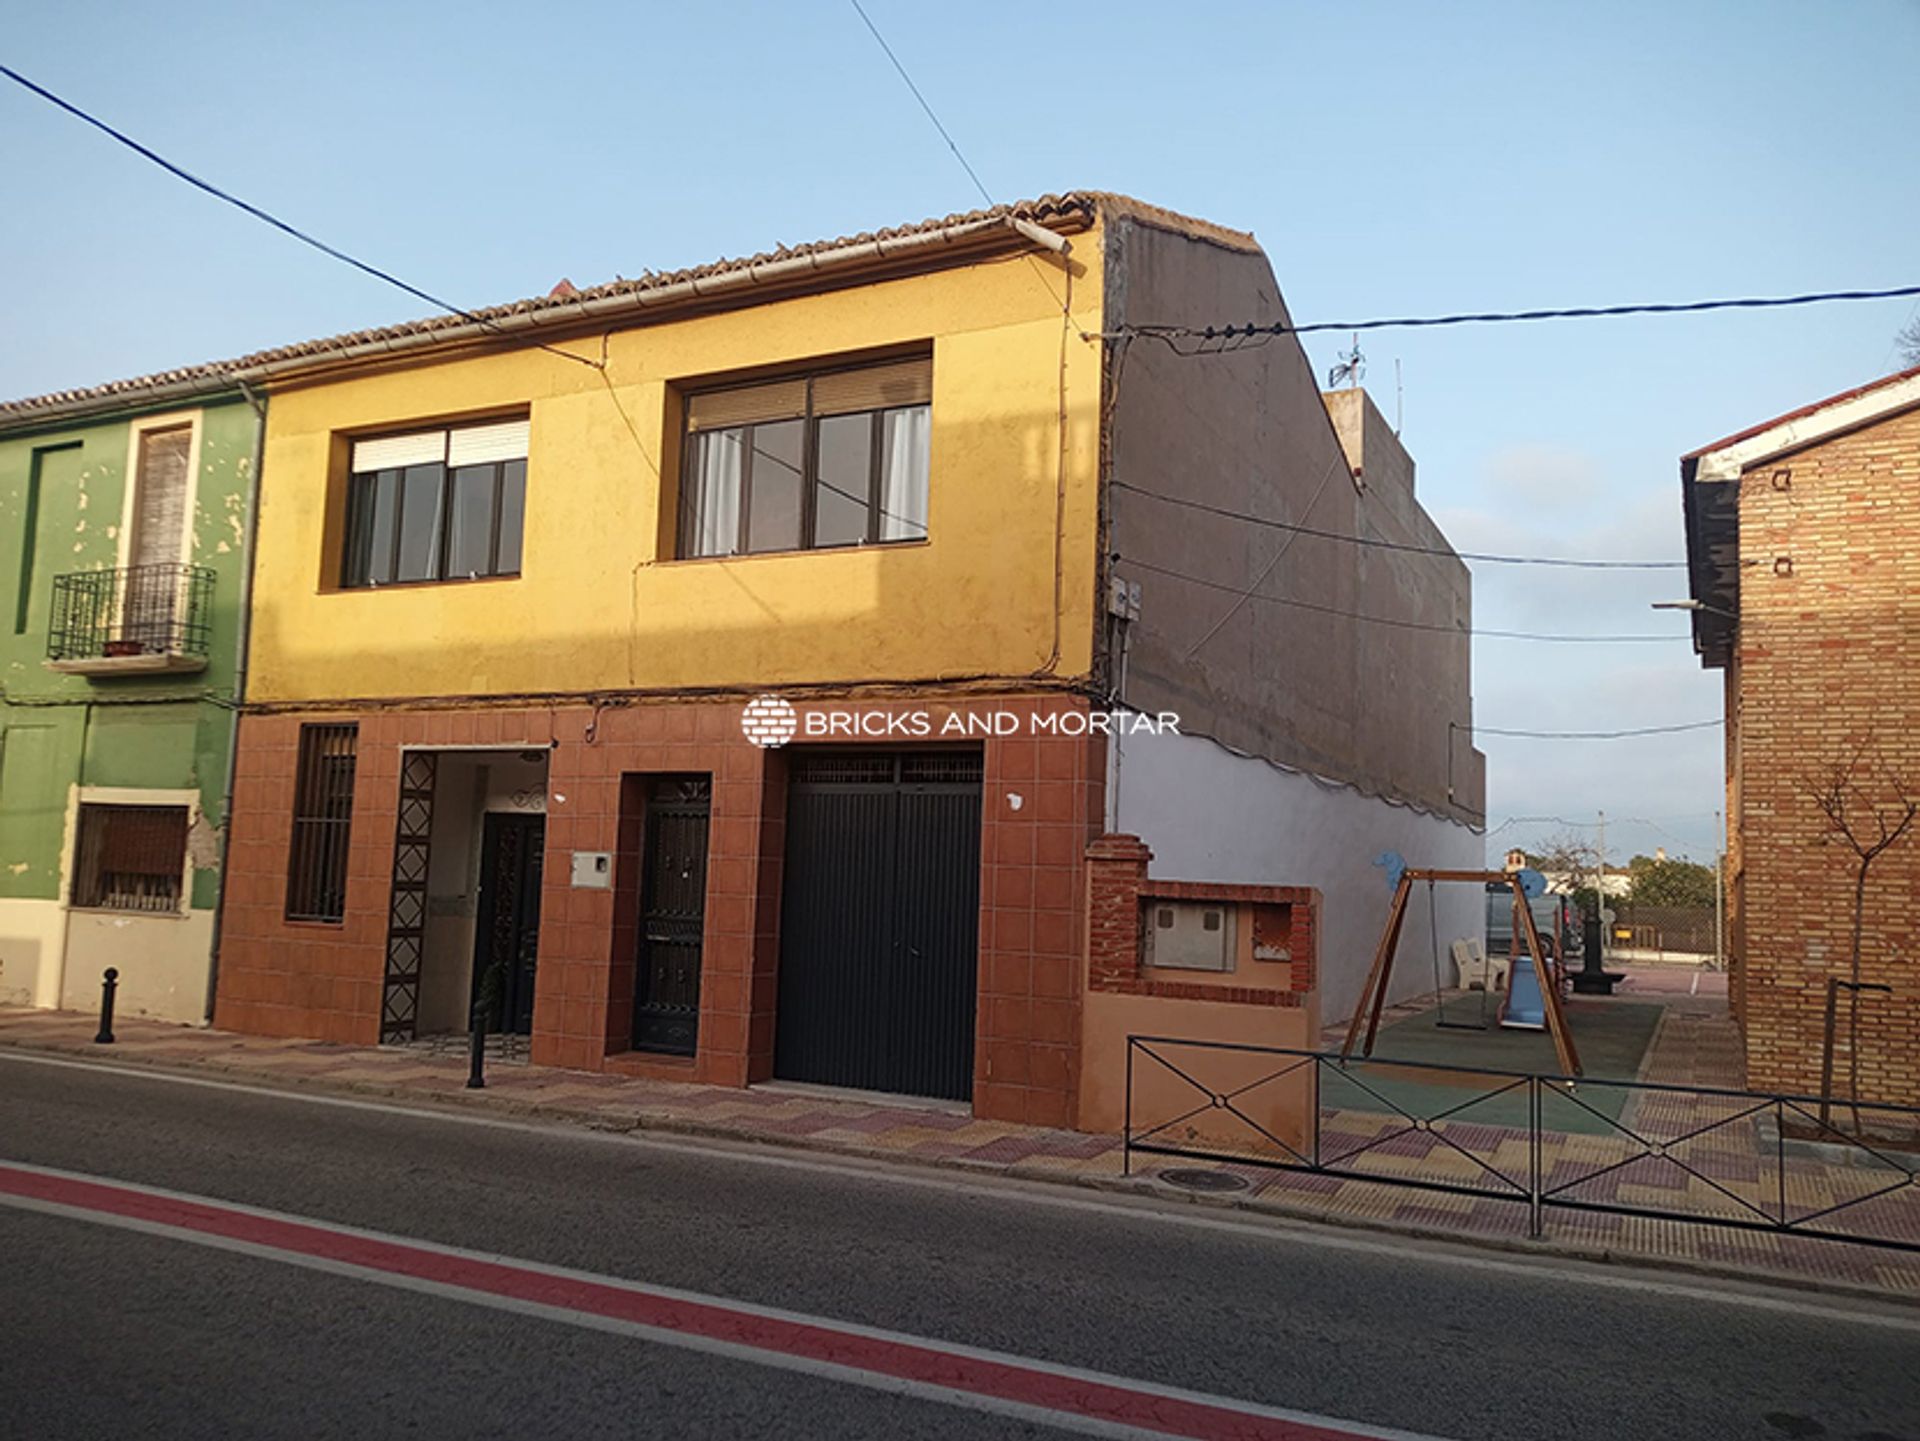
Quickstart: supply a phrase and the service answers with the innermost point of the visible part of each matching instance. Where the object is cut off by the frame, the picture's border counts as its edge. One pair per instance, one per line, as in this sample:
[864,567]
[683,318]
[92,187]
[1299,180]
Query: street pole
[1719,894]
[1600,886]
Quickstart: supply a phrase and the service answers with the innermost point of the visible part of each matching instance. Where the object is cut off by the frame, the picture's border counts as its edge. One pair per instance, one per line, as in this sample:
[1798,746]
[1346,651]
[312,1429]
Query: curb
[1276,1209]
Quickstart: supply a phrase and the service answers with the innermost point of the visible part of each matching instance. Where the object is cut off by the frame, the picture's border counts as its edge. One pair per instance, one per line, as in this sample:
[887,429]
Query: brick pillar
[1116,873]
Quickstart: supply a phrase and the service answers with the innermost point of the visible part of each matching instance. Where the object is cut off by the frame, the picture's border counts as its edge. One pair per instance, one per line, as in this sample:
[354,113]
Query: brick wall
[1828,663]
[1042,799]
[1280,926]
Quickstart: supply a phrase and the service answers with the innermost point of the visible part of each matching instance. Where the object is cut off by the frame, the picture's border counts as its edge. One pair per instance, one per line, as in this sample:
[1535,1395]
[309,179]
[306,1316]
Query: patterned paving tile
[1689,1049]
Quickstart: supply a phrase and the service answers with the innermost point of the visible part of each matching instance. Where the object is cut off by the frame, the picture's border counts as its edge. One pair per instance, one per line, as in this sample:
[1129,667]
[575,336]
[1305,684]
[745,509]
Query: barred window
[322,823]
[130,858]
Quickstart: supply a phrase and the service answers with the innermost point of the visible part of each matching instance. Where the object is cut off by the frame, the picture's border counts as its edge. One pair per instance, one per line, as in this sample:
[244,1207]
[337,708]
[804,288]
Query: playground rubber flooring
[1611,1035]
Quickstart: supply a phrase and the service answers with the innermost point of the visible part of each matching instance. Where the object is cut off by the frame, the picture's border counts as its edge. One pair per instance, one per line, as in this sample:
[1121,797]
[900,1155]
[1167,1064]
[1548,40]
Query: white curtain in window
[905,450]
[716,492]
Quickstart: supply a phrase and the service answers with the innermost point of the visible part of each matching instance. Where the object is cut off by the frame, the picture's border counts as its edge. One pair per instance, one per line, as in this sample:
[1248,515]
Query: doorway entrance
[465,892]
[879,926]
[507,939]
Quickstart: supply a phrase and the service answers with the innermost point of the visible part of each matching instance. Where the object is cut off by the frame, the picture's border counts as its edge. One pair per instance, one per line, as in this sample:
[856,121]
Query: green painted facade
[63,492]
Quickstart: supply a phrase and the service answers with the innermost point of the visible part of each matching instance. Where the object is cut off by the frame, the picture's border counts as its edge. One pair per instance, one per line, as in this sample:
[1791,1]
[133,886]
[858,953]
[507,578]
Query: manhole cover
[1193,1178]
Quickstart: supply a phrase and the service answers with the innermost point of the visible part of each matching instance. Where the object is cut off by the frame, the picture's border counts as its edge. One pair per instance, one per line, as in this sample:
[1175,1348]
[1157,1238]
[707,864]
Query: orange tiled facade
[1042,799]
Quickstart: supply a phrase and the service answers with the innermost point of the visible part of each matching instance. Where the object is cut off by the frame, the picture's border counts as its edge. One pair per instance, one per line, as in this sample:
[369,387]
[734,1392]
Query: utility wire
[267,217]
[1596,735]
[1279,555]
[952,144]
[1250,330]
[1482,556]
[1385,620]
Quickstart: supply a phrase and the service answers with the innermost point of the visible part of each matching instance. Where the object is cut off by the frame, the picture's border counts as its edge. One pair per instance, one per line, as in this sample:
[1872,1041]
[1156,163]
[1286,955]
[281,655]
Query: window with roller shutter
[160,497]
[811,462]
[152,597]
[436,505]
[130,858]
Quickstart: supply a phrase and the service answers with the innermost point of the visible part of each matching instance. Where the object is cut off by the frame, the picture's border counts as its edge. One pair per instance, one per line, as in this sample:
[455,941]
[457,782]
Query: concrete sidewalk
[884,1128]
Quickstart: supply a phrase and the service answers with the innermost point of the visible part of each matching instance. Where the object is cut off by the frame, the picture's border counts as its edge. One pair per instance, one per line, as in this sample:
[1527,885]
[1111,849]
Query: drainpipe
[243,640]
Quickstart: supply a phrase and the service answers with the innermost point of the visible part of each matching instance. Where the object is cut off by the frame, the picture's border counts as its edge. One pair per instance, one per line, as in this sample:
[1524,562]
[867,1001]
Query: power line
[952,144]
[1279,555]
[1251,330]
[1596,735]
[267,217]
[1388,620]
[1482,556]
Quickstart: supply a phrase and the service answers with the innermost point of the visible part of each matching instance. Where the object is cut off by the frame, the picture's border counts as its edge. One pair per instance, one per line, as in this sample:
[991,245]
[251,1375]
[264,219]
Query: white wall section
[1211,815]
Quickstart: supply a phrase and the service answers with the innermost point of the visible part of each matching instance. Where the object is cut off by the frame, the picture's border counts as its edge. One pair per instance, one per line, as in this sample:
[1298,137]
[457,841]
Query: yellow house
[723,674]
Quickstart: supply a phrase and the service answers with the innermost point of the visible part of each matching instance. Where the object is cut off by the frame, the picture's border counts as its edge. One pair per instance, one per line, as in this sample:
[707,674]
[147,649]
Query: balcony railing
[136,618]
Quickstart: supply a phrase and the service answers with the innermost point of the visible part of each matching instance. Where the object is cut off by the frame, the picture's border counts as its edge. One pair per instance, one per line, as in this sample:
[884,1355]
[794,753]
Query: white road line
[761,1354]
[1053,1195]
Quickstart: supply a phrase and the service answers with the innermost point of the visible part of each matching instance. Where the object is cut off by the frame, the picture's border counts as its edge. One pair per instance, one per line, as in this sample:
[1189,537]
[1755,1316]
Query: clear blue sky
[1393,159]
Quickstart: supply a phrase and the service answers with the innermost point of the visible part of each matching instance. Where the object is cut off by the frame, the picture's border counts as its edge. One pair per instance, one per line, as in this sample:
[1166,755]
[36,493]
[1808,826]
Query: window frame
[103,799]
[137,431]
[810,421]
[311,793]
[442,541]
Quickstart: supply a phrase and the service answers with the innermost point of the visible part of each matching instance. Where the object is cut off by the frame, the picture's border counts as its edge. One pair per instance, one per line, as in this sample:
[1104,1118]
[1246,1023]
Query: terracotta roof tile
[1072,206]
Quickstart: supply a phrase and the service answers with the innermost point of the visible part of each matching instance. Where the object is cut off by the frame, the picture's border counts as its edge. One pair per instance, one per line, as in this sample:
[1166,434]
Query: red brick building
[538,647]
[1803,540]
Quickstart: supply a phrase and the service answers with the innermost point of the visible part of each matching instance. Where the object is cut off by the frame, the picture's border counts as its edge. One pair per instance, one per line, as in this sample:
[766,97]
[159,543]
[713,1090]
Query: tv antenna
[1352,366]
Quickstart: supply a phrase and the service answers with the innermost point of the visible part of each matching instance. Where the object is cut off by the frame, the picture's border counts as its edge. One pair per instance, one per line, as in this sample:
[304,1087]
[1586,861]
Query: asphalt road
[108,1331]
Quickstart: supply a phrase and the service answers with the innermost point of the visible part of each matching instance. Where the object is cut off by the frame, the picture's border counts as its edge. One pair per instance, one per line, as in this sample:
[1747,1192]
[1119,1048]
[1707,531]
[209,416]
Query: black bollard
[109,983]
[477,1049]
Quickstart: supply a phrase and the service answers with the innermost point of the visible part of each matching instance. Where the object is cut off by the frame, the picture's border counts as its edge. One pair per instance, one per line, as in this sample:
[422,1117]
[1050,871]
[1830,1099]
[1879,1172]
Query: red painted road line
[1038,1385]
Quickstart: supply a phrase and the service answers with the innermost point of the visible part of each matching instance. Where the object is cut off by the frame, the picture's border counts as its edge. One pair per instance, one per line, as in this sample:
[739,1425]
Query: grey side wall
[1300,683]
[1207,814]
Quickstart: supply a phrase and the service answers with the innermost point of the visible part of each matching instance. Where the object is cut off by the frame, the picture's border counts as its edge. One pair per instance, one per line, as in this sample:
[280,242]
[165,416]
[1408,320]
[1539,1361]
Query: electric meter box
[1191,935]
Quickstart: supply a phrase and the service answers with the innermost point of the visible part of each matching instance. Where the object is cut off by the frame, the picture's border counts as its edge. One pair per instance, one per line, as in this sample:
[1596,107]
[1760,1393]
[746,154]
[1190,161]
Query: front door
[506,944]
[673,915]
[879,922]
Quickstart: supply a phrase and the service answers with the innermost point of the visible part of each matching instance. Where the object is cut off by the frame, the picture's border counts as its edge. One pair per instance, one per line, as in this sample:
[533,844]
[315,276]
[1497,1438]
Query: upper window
[831,459]
[437,505]
[130,858]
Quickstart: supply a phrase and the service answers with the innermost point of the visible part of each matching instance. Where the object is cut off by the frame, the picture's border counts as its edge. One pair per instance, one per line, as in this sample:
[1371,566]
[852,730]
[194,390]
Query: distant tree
[1564,852]
[1909,342]
[1665,882]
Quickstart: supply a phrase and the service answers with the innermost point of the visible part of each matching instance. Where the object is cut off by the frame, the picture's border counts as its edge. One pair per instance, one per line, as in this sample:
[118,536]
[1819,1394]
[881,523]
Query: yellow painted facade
[601,605]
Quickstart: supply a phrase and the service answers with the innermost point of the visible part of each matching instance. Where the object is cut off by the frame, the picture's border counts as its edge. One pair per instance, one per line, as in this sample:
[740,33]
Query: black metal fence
[139,610]
[1745,1159]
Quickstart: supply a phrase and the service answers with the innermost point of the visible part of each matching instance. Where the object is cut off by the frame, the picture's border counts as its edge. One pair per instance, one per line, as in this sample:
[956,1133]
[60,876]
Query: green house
[125,518]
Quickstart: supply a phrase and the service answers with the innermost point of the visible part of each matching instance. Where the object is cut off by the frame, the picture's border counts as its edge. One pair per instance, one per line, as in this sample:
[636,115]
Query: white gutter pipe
[700,287]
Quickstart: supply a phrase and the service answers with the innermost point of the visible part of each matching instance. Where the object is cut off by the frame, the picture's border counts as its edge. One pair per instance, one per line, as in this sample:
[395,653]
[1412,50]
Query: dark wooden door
[673,914]
[507,943]
[879,925]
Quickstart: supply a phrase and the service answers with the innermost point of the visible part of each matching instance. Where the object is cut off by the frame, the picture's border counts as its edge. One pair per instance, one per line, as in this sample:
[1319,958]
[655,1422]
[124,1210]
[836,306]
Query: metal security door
[879,924]
[673,916]
[512,853]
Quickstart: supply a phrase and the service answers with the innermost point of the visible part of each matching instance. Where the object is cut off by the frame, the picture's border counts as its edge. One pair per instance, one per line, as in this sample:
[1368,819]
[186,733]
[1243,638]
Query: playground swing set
[1532,1000]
